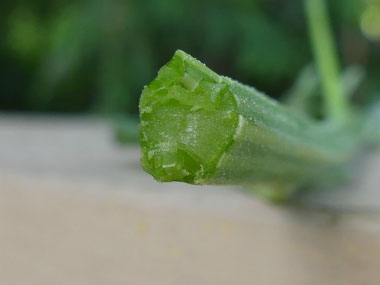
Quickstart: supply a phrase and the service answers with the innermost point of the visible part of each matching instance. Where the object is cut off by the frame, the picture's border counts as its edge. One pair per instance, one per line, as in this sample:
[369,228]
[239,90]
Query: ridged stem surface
[202,128]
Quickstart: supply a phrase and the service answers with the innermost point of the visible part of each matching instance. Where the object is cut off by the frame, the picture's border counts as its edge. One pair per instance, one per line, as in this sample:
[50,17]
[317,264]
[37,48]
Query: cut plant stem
[202,128]
[336,104]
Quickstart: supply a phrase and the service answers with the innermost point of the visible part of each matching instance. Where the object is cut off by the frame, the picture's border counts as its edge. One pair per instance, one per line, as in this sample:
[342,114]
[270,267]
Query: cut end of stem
[180,110]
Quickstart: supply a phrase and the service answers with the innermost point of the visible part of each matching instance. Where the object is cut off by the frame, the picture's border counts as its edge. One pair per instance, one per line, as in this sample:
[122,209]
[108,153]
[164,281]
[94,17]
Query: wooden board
[75,208]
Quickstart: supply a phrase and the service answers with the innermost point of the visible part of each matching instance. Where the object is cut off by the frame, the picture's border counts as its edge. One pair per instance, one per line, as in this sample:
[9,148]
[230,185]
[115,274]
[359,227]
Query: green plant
[202,128]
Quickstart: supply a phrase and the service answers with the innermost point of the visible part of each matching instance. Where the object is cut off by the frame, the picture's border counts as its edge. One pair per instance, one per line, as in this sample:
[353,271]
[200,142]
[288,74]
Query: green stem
[202,128]
[336,104]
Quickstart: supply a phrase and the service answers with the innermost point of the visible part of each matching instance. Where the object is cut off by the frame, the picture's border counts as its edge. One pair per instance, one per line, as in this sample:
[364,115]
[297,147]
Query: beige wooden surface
[77,209]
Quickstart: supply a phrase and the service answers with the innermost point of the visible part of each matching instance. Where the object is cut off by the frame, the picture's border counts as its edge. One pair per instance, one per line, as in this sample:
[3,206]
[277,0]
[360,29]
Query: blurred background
[76,207]
[96,56]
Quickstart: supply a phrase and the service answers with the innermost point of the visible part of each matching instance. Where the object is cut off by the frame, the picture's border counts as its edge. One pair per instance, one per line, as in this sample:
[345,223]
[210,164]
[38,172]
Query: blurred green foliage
[96,55]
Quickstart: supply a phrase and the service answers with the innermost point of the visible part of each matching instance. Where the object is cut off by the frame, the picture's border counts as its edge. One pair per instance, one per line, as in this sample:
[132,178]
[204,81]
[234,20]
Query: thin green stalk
[336,104]
[202,128]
